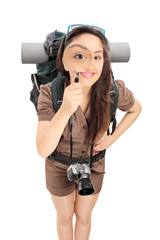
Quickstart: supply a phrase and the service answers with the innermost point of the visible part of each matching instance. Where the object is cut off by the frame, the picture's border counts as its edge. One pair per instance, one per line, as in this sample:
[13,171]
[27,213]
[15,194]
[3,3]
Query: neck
[86,92]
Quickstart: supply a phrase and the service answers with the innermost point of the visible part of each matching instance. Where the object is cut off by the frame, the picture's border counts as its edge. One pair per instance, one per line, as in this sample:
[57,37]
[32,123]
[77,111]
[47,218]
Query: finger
[78,100]
[76,92]
[100,148]
[97,147]
[75,85]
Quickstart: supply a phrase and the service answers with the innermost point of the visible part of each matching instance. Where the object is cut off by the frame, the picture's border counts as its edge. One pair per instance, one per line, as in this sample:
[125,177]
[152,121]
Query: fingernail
[94,150]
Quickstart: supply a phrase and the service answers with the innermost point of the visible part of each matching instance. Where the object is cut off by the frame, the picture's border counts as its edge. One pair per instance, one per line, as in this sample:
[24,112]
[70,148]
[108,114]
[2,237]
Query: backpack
[47,72]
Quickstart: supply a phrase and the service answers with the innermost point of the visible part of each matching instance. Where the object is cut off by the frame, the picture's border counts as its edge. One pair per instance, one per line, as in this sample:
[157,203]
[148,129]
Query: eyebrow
[79,45]
[98,51]
[83,47]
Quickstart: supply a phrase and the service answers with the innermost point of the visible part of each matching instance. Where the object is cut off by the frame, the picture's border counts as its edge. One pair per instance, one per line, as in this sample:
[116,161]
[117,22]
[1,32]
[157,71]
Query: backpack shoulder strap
[58,90]
[114,95]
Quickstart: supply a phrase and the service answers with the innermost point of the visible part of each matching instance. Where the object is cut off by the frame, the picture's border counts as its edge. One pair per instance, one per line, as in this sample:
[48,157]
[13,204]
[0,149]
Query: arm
[50,132]
[129,118]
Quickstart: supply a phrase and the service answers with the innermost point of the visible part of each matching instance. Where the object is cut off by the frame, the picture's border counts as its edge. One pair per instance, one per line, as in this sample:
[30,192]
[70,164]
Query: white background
[129,204]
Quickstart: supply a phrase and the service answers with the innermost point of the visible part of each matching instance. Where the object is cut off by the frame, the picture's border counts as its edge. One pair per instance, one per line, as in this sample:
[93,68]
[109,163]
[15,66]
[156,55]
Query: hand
[104,142]
[72,98]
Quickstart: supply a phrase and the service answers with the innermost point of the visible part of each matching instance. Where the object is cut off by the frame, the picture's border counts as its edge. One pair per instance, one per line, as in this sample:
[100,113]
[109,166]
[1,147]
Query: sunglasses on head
[73,26]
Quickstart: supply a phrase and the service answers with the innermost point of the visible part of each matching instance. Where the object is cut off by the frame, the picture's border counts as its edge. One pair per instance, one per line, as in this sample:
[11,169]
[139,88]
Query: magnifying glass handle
[76,77]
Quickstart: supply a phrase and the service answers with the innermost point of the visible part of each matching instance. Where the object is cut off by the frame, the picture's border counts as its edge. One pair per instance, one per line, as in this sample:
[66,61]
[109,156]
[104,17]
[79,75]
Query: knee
[65,218]
[83,218]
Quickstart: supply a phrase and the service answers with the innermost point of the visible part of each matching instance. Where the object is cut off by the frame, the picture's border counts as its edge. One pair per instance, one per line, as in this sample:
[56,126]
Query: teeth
[88,74]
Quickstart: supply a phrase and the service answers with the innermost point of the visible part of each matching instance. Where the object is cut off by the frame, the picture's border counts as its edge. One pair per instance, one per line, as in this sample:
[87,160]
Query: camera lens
[85,187]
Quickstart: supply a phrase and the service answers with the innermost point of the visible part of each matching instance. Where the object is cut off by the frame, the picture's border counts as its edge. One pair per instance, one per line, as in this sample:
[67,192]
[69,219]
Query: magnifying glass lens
[77,59]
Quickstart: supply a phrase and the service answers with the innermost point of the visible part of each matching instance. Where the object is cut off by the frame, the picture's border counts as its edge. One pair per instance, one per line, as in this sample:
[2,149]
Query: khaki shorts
[57,181]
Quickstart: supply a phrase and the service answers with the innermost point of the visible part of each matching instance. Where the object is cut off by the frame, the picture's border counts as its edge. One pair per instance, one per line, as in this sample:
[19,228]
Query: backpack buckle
[113,93]
[50,51]
[59,102]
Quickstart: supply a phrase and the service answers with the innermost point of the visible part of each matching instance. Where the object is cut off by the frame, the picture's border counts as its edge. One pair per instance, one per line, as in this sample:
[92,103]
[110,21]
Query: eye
[97,57]
[80,56]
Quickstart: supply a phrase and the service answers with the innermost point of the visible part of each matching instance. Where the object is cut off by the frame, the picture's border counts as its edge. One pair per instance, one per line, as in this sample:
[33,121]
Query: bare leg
[83,210]
[65,210]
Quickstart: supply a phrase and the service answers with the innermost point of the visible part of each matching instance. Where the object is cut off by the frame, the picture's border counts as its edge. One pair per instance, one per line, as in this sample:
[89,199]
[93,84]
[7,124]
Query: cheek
[100,67]
[99,70]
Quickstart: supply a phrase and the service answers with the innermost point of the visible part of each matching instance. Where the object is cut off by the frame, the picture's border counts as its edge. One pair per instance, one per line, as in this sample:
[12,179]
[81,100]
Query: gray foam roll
[34,53]
[119,51]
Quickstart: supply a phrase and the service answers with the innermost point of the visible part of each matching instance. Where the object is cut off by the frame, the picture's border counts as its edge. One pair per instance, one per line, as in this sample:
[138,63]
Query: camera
[82,172]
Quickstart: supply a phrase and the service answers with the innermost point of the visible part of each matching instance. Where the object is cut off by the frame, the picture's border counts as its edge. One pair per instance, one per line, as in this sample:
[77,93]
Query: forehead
[90,41]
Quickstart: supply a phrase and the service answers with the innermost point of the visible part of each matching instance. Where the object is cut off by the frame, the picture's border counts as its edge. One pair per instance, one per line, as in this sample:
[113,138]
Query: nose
[90,64]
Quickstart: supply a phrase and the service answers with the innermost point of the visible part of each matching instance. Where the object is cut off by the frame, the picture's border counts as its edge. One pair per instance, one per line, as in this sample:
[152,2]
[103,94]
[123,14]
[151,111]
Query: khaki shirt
[81,147]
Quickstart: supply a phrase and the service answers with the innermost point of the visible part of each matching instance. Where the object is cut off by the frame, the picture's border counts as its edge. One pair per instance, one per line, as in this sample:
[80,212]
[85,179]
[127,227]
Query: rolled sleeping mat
[34,53]
[119,51]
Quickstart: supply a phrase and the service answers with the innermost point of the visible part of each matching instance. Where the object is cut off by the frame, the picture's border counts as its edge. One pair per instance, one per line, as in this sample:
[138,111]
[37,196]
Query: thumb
[72,80]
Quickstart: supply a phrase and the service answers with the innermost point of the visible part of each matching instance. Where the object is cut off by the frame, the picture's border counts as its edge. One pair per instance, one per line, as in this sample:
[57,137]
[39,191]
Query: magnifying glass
[77,58]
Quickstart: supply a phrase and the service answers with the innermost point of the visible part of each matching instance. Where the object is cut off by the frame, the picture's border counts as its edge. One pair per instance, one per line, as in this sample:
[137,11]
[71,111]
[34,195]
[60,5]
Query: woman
[88,103]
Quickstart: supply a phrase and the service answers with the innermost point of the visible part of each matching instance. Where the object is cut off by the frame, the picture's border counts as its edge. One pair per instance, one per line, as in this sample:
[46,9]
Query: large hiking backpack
[47,72]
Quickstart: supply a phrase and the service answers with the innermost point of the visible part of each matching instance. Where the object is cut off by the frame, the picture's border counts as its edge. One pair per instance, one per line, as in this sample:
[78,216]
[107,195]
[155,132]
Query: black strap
[60,89]
[113,120]
[91,155]
[71,143]
[113,105]
[67,161]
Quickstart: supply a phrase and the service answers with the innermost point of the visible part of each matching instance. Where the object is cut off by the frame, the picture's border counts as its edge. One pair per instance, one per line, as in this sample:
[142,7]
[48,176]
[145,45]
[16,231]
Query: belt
[67,161]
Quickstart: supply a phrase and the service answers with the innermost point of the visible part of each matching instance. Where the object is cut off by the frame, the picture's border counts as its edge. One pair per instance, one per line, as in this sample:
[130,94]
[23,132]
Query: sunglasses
[73,26]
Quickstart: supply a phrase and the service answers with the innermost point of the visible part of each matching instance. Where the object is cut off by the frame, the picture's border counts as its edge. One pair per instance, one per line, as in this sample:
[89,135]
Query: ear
[65,67]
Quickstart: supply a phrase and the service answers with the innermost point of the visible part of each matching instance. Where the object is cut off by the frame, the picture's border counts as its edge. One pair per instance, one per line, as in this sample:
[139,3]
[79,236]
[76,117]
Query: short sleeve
[126,98]
[45,109]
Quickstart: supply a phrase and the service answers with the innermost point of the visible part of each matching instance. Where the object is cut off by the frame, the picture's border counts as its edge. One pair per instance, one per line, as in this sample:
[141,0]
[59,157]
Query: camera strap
[91,155]
[71,142]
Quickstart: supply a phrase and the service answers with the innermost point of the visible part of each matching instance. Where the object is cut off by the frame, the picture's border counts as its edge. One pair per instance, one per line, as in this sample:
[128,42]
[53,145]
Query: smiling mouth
[87,74]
